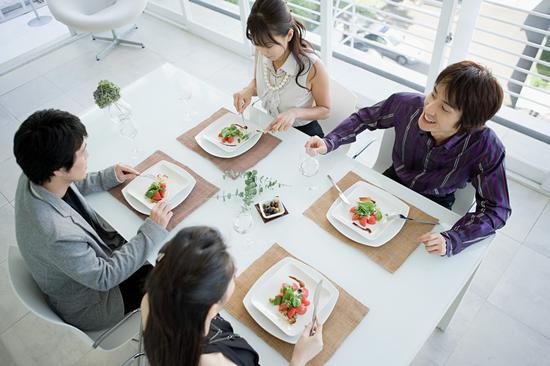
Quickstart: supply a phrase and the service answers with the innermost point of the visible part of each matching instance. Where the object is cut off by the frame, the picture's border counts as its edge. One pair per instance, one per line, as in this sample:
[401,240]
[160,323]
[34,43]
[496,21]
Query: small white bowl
[282,209]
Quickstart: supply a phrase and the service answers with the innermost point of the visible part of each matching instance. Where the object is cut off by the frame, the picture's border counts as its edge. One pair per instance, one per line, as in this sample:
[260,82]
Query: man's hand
[161,214]
[282,122]
[316,145]
[125,172]
[435,243]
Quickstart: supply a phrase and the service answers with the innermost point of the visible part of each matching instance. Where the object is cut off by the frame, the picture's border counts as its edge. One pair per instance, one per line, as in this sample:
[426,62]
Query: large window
[514,42]
[25,27]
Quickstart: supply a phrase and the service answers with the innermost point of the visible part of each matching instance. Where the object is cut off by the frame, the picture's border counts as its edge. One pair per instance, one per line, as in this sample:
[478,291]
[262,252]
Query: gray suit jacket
[78,272]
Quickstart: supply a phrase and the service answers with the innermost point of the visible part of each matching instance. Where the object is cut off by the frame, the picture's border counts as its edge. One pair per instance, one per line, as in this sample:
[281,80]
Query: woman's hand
[435,243]
[316,145]
[308,346]
[242,99]
[282,122]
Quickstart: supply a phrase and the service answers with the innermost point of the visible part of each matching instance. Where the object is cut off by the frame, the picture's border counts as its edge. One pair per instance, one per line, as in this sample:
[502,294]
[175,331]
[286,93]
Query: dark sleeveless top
[222,339]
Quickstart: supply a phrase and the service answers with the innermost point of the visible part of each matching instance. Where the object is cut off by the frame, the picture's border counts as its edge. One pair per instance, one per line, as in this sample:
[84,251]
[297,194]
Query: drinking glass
[243,225]
[309,167]
[186,95]
[128,130]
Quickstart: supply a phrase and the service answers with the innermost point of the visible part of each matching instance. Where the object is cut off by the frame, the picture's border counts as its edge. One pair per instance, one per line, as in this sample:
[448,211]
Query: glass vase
[119,111]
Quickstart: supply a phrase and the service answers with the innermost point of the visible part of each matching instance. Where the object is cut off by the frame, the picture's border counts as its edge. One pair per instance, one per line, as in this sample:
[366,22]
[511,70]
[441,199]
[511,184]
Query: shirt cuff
[451,242]
[116,176]
[329,143]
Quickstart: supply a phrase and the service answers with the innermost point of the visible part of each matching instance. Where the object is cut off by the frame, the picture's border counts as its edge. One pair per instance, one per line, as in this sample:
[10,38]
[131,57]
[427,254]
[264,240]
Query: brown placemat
[239,163]
[345,316]
[390,255]
[202,191]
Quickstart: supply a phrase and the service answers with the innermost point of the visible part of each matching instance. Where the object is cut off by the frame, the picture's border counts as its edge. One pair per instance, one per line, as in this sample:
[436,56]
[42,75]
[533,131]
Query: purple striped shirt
[476,157]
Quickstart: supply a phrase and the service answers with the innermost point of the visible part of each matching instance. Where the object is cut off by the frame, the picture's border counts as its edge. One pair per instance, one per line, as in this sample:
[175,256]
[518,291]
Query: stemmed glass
[309,167]
[128,130]
[186,95]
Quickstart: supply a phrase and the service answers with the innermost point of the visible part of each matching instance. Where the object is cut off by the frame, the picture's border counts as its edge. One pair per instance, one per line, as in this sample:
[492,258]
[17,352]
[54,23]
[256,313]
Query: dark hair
[46,142]
[473,90]
[272,17]
[192,273]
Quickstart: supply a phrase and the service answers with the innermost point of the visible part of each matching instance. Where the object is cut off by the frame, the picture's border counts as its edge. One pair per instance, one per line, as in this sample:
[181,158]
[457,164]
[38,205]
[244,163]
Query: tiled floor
[503,320]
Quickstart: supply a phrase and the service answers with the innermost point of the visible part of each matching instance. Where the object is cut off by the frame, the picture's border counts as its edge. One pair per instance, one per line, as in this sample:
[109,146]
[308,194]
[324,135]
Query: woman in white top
[291,81]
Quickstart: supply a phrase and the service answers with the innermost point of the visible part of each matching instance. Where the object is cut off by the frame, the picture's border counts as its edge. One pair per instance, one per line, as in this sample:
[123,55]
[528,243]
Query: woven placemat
[345,316]
[240,163]
[202,191]
[390,255]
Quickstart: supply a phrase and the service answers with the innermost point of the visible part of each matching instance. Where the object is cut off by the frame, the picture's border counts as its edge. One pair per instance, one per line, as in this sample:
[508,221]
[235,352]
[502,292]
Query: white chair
[343,103]
[464,197]
[32,297]
[99,16]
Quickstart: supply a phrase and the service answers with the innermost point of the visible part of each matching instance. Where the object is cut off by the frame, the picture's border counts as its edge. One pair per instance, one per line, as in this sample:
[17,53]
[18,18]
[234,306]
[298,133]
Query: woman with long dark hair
[190,284]
[288,76]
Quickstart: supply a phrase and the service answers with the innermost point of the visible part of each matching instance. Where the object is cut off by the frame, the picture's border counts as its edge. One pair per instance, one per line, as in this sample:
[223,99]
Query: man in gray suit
[81,264]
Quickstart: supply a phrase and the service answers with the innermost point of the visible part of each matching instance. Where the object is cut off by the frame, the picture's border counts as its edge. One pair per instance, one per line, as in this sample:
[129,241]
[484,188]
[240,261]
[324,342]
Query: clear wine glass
[309,167]
[185,96]
[128,130]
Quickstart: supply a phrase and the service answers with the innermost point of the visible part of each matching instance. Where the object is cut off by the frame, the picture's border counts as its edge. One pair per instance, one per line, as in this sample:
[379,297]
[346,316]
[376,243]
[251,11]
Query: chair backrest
[30,294]
[464,197]
[97,15]
[384,159]
[32,297]
[343,103]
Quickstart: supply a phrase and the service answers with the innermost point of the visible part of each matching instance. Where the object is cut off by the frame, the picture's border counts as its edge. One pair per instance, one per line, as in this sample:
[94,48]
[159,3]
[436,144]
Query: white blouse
[283,93]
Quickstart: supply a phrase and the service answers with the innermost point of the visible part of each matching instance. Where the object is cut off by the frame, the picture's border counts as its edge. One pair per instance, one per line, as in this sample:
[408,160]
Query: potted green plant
[107,96]
[254,185]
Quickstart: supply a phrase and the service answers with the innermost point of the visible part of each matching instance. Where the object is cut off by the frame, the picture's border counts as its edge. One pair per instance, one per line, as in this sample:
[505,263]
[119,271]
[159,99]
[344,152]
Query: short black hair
[47,141]
[472,89]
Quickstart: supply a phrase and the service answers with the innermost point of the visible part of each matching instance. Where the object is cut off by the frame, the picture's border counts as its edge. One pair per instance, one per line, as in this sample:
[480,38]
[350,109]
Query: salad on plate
[157,190]
[292,299]
[233,135]
[365,213]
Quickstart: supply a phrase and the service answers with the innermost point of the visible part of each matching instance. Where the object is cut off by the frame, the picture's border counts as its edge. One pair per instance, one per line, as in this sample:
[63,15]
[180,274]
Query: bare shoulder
[214,359]
[318,72]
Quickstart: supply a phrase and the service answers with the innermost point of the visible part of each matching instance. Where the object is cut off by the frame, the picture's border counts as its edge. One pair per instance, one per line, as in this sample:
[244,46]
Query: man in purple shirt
[441,144]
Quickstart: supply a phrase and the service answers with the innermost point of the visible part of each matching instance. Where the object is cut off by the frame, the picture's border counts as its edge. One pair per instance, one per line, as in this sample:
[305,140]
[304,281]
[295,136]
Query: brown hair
[473,90]
[272,17]
[192,273]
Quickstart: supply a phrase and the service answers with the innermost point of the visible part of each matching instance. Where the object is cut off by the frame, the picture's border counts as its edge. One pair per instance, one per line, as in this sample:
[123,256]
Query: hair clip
[159,257]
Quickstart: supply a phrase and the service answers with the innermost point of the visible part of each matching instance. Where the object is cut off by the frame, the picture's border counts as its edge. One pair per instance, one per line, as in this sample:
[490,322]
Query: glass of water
[309,167]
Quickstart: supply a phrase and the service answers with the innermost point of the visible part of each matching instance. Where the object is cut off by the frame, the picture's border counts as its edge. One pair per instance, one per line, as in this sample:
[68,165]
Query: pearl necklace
[276,86]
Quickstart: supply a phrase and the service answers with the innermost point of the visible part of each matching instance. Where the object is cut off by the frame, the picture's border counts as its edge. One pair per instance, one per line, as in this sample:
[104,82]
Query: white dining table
[405,306]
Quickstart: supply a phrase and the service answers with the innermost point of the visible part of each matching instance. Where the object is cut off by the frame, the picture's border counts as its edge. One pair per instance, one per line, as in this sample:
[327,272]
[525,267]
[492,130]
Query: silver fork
[401,216]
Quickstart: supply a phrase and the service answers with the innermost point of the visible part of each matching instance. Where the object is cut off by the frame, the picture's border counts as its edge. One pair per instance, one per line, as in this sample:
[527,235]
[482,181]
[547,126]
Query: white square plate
[179,184]
[383,230]
[267,286]
[209,142]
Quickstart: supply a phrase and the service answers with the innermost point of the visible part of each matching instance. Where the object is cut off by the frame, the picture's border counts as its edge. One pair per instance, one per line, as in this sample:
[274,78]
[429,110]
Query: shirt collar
[290,66]
[450,143]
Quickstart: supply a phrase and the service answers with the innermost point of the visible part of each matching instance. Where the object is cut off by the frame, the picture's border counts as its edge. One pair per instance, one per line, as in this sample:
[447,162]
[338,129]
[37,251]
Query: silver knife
[340,193]
[316,296]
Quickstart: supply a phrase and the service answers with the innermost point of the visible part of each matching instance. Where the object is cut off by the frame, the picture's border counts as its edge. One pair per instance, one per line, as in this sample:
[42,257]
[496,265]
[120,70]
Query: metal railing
[516,27]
